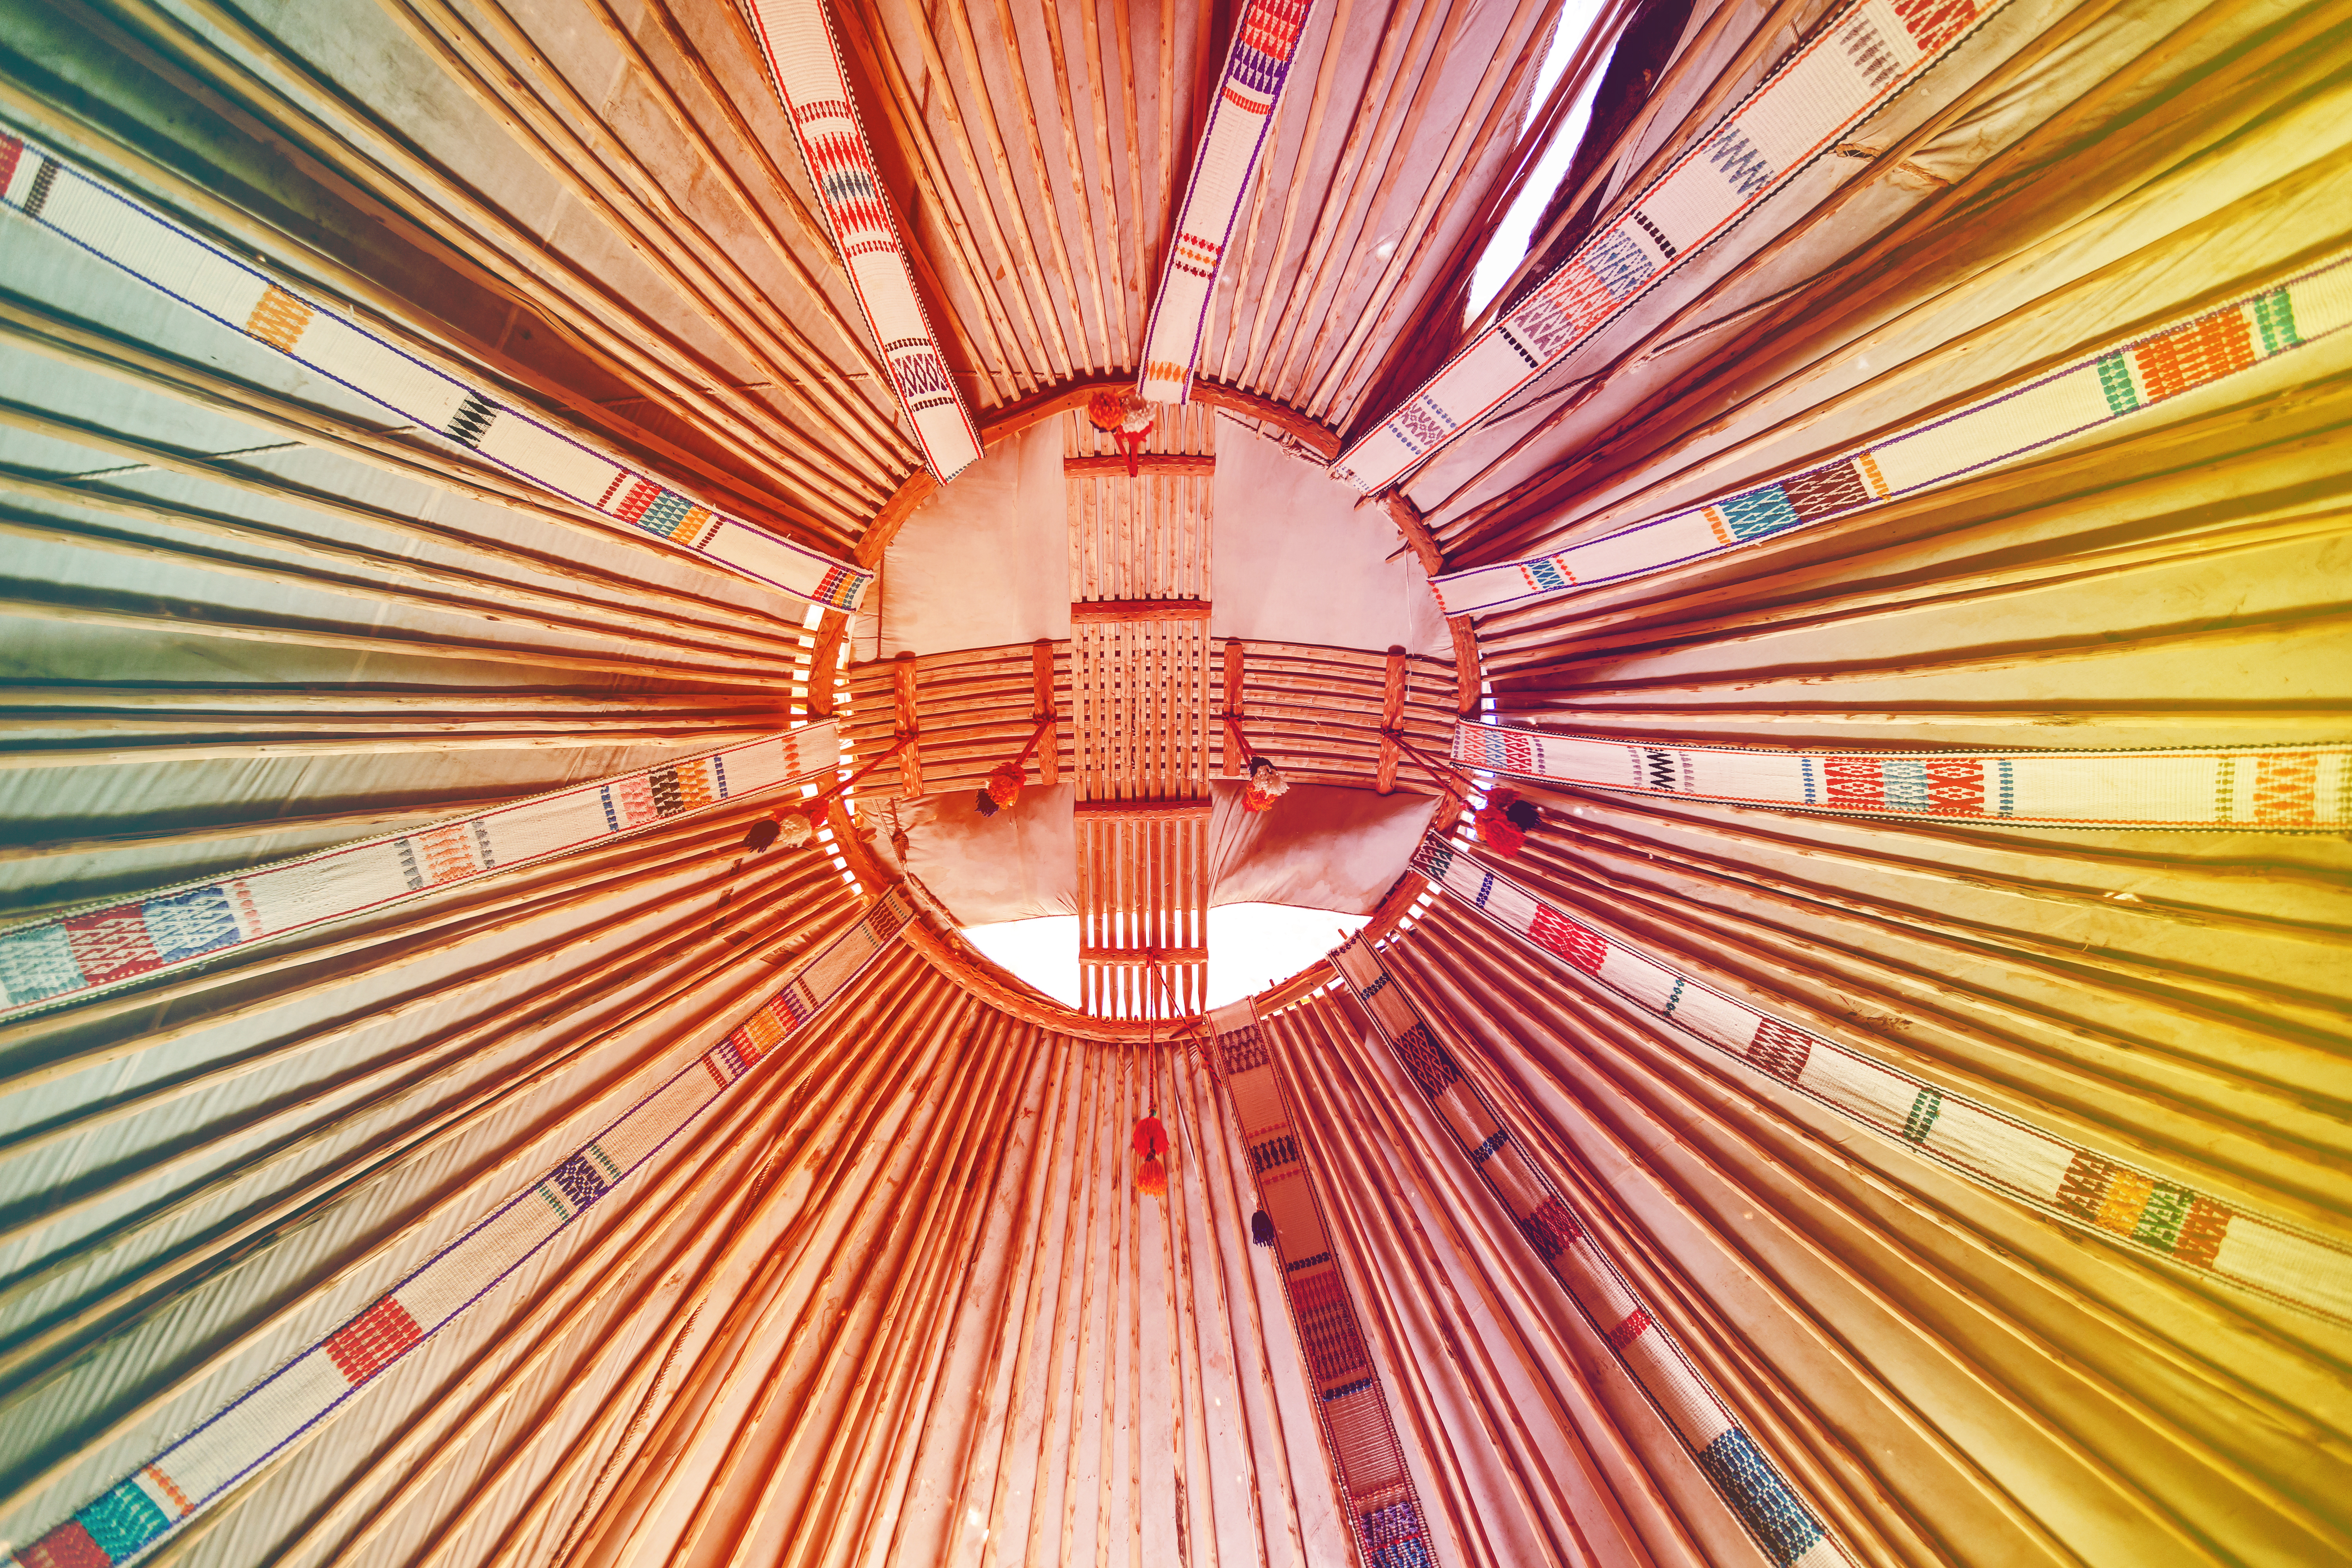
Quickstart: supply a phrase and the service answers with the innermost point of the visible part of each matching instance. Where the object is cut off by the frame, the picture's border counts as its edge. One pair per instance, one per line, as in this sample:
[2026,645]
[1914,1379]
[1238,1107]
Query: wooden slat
[1146,463]
[911,729]
[1391,713]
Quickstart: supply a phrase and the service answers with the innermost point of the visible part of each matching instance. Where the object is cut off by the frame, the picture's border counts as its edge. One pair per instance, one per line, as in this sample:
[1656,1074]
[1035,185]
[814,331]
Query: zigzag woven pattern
[1784,1528]
[805,64]
[151,247]
[1873,50]
[2094,390]
[74,956]
[2056,1175]
[2275,789]
[134,1515]
[1241,117]
[1351,1409]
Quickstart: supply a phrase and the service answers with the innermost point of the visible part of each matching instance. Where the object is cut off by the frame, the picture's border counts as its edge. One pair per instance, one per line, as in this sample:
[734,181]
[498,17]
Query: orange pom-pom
[1005,784]
[1151,1177]
[1107,410]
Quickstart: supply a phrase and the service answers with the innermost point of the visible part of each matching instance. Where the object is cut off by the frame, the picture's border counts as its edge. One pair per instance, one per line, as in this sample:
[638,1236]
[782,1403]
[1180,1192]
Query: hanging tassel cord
[1233,723]
[824,796]
[1455,783]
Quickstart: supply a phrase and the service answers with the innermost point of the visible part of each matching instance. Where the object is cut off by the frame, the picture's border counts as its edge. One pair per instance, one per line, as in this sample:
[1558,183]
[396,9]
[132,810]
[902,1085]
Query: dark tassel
[1524,814]
[1262,1229]
[762,834]
[987,808]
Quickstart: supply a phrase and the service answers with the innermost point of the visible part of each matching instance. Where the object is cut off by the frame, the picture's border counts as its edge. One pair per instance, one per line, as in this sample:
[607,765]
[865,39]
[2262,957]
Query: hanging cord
[1455,782]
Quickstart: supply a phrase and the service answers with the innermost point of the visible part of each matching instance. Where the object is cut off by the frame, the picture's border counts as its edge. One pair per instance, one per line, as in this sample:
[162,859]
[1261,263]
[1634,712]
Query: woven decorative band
[134,1516]
[2275,789]
[1350,1407]
[101,947]
[1850,70]
[2011,422]
[157,251]
[2055,1176]
[1241,120]
[1749,1482]
[805,64]
[1750,1485]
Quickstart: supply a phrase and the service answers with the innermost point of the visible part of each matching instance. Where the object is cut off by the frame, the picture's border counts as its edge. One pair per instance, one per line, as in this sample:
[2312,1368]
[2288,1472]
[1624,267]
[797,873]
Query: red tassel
[1151,1142]
[1005,784]
[1503,822]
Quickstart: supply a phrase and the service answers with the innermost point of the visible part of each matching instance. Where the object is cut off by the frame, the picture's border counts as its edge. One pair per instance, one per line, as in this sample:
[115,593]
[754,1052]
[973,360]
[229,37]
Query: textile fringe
[1750,1485]
[131,1517]
[1351,1409]
[160,253]
[2263,789]
[98,948]
[1241,119]
[1849,70]
[2054,1175]
[2018,419]
[804,66]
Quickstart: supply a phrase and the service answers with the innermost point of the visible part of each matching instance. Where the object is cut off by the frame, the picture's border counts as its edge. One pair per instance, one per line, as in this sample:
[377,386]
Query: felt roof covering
[2015,1228]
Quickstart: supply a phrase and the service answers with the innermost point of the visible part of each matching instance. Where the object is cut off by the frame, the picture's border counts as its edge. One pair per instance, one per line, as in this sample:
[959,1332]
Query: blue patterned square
[182,925]
[36,964]
[1781,1524]
[1759,513]
[123,1520]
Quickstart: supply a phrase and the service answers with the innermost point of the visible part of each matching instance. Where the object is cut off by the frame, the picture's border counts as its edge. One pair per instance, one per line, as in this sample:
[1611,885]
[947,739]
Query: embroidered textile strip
[98,948]
[1849,70]
[1241,119]
[1750,1485]
[2054,1175]
[133,1516]
[2275,789]
[2096,390]
[804,66]
[173,260]
[1351,1409]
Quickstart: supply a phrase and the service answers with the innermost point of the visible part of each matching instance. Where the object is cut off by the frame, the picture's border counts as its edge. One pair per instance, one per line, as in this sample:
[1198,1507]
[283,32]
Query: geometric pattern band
[1352,1408]
[1850,69]
[1241,118]
[136,1513]
[96,948]
[805,66]
[2141,1210]
[121,230]
[2095,389]
[2270,789]
[1788,1532]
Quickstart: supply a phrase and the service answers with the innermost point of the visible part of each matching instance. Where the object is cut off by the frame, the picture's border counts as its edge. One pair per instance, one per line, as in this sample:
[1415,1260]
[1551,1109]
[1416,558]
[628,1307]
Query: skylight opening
[1251,946]
[1513,236]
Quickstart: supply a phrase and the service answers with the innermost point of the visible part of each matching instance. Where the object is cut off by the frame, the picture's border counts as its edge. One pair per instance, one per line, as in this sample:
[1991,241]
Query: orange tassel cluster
[1504,822]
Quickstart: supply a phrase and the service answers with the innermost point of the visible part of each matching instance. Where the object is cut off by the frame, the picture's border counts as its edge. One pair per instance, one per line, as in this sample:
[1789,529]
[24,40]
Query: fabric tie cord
[291,1403]
[1351,1410]
[2271,789]
[98,948]
[1849,70]
[1241,119]
[2018,419]
[160,253]
[1750,1485]
[2058,1177]
[805,66]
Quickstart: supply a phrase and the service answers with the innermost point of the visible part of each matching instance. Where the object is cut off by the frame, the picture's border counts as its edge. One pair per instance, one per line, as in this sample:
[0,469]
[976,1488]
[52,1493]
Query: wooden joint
[910,730]
[1197,464]
[1097,611]
[1391,714]
[1143,810]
